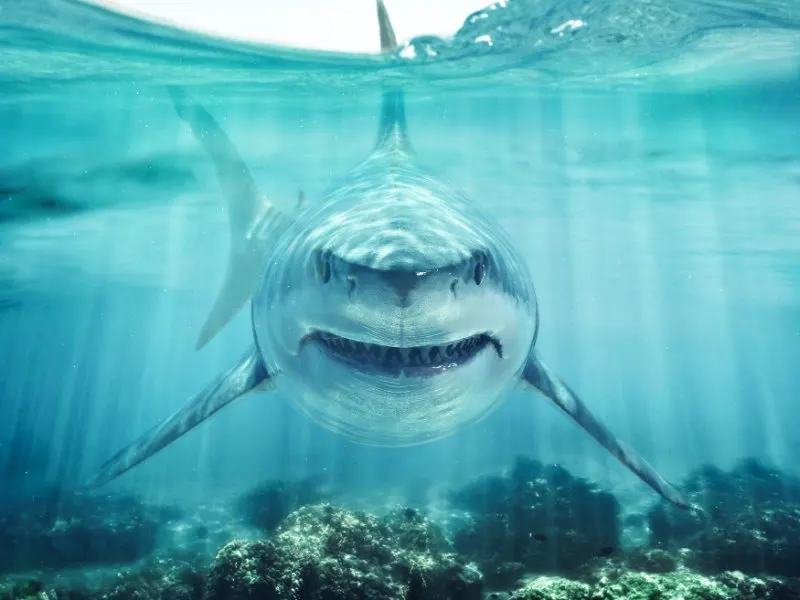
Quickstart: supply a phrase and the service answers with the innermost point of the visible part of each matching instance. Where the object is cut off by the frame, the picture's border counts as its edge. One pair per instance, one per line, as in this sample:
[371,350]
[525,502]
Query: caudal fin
[253,220]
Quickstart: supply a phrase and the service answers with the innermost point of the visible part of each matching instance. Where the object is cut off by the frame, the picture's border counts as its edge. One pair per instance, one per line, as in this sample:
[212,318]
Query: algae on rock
[614,581]
[325,553]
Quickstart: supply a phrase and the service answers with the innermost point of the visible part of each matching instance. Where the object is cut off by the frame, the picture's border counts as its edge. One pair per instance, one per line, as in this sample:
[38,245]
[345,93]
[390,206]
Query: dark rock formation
[70,529]
[747,520]
[538,516]
[266,505]
[157,578]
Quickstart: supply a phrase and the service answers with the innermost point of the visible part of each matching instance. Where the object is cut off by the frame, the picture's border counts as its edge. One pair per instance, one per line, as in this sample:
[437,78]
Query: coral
[267,504]
[539,516]
[79,529]
[747,519]
[611,580]
[324,553]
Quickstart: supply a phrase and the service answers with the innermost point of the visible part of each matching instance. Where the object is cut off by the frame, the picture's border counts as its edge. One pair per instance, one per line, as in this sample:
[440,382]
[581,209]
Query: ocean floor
[533,533]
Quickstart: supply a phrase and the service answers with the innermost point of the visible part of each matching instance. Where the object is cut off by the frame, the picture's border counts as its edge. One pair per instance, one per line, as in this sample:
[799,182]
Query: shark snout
[402,283]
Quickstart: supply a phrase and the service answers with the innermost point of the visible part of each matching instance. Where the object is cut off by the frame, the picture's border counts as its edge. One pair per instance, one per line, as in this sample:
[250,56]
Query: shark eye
[323,267]
[480,270]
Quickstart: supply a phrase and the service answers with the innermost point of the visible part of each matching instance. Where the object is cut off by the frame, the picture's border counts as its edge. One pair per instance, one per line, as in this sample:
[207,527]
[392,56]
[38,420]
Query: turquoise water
[643,156]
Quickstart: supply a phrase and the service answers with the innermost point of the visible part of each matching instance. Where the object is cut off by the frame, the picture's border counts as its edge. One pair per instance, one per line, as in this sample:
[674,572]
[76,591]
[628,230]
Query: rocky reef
[537,518]
[154,578]
[322,552]
[537,533]
[618,582]
[65,529]
[747,519]
[267,504]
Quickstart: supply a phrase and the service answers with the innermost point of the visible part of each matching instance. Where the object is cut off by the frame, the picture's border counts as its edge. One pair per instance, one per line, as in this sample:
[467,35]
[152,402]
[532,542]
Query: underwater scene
[509,314]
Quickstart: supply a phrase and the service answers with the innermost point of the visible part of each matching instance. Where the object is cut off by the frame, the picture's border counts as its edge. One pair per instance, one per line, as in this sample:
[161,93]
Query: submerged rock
[538,516]
[157,578]
[612,581]
[325,553]
[553,588]
[19,589]
[652,560]
[748,520]
[71,529]
[267,504]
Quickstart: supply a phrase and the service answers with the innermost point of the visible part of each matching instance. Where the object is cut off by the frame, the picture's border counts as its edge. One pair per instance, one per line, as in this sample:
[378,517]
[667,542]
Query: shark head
[396,307]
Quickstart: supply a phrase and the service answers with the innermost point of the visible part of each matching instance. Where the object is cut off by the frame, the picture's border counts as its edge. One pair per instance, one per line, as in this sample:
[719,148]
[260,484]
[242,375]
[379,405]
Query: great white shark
[395,310]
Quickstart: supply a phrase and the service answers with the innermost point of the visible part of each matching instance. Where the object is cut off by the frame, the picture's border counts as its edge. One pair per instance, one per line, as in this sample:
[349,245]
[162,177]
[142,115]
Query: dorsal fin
[392,132]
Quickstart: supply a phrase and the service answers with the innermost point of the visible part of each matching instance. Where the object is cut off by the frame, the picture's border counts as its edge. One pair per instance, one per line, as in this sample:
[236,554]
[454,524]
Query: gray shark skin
[395,309]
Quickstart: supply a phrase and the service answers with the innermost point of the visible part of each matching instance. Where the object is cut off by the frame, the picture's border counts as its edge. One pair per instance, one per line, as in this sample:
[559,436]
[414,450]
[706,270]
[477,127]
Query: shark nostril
[453,286]
[351,285]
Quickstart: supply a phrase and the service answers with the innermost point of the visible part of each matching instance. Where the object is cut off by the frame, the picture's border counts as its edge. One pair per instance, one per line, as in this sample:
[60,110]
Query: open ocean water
[644,157]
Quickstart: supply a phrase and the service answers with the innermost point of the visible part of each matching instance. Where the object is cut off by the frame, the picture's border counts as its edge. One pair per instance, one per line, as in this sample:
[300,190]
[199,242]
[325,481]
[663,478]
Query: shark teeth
[414,360]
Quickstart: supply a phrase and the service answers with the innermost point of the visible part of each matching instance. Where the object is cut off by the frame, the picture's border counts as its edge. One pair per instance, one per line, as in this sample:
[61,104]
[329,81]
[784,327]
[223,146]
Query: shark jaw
[394,361]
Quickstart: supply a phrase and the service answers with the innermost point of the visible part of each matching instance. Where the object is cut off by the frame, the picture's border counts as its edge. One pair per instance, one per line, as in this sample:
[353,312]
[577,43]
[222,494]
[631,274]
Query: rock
[71,529]
[504,575]
[610,579]
[158,578]
[325,553]
[266,505]
[205,528]
[688,585]
[553,588]
[652,560]
[21,589]
[747,519]
[539,516]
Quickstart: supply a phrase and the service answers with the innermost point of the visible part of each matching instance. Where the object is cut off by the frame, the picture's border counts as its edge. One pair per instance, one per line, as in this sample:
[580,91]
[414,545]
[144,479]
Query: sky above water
[341,25]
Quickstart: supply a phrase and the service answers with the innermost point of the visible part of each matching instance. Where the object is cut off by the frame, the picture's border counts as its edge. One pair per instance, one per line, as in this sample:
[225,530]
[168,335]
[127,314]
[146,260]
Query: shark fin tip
[388,37]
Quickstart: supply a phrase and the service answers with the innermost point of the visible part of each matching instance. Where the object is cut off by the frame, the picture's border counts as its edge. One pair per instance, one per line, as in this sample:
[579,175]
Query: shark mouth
[416,361]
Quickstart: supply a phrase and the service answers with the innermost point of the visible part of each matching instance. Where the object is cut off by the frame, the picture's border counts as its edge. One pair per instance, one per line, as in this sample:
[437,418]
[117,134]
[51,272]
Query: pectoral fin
[248,374]
[537,375]
[254,220]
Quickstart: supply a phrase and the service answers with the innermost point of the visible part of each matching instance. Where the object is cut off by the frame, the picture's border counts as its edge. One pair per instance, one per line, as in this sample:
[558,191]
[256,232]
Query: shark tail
[392,132]
[252,218]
